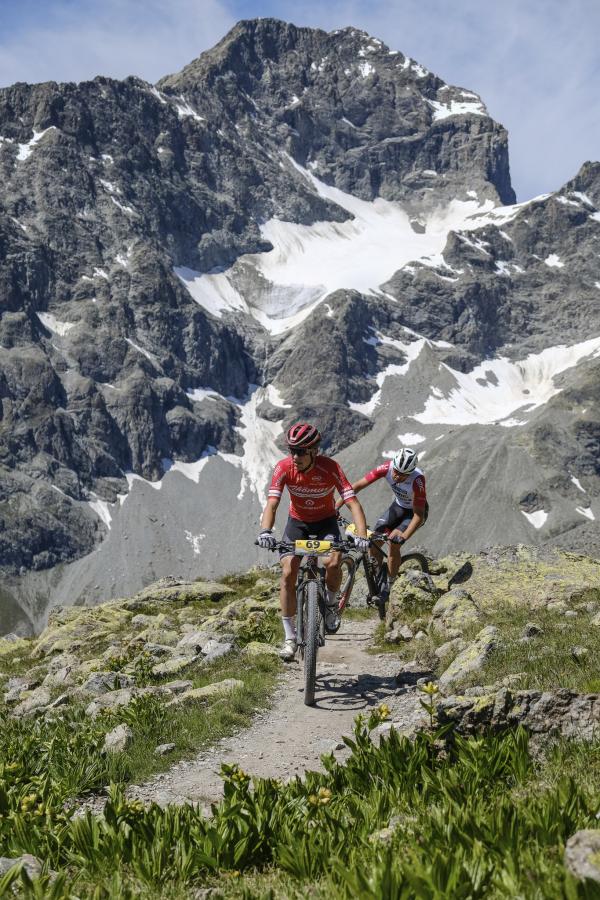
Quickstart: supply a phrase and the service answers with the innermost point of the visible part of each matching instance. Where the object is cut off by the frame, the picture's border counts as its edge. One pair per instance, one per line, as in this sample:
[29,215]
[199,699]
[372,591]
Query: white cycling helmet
[405,461]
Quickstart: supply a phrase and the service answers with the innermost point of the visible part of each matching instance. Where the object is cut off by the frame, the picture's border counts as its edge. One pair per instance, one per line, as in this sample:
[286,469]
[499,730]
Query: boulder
[582,854]
[195,640]
[170,589]
[116,699]
[450,649]
[30,863]
[471,659]
[216,649]
[174,665]
[163,749]
[119,739]
[103,682]
[454,612]
[563,713]
[32,702]
[227,686]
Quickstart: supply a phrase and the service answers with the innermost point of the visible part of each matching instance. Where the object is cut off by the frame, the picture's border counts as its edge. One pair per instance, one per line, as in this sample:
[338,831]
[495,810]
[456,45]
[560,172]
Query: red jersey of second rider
[311,493]
[410,493]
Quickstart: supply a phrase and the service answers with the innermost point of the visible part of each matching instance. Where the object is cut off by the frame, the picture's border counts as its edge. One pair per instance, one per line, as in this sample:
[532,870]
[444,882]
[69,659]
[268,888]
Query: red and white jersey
[410,493]
[311,493]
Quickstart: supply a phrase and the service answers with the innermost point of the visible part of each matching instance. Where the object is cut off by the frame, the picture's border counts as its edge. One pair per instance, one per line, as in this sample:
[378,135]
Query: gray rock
[119,739]
[174,665]
[30,863]
[177,687]
[164,749]
[454,612]
[214,650]
[562,713]
[195,640]
[450,649]
[580,653]
[103,682]
[531,630]
[582,854]
[471,659]
[226,686]
[32,702]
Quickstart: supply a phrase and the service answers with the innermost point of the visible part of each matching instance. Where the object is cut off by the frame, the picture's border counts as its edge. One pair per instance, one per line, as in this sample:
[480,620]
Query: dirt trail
[289,738]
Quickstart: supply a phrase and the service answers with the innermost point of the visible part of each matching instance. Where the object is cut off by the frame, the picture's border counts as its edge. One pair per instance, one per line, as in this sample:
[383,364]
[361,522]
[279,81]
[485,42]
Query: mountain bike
[376,569]
[311,597]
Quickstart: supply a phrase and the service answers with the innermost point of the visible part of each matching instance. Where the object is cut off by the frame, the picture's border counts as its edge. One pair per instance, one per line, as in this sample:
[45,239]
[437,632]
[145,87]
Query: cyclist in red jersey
[311,480]
[408,511]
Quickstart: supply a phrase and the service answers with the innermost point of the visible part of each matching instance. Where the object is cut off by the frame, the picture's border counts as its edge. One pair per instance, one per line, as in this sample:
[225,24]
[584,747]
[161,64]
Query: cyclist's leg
[287,587]
[328,530]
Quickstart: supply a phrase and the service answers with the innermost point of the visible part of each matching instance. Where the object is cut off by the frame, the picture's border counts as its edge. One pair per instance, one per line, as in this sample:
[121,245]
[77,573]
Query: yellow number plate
[313,546]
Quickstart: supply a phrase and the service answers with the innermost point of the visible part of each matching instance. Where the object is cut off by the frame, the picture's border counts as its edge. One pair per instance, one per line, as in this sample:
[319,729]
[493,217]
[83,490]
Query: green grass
[195,726]
[545,662]
[431,818]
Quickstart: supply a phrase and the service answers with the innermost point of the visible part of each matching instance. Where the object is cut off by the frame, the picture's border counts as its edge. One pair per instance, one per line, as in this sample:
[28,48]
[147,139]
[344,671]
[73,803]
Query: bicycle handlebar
[285,545]
[375,538]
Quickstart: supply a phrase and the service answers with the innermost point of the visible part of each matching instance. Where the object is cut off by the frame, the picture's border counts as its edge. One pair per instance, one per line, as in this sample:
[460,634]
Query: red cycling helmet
[303,435]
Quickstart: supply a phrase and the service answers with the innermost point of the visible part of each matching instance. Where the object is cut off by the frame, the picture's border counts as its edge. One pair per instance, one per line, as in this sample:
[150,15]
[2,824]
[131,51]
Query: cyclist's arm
[358,516]
[356,487]
[269,513]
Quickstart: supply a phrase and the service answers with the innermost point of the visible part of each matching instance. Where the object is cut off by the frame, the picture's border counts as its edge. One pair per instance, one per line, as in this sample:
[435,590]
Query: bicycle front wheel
[348,575]
[414,561]
[311,640]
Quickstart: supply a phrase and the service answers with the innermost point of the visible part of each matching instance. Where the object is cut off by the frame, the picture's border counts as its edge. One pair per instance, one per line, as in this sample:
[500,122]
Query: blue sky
[535,62]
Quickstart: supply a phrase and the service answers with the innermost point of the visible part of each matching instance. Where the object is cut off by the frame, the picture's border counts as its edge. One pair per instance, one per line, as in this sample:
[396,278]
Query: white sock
[289,627]
[331,597]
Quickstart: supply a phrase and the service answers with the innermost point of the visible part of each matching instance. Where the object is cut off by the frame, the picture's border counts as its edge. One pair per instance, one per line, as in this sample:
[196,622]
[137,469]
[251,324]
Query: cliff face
[299,224]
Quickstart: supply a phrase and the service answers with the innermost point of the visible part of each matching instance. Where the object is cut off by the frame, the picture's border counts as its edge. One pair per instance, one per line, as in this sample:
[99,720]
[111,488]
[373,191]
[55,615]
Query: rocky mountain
[298,224]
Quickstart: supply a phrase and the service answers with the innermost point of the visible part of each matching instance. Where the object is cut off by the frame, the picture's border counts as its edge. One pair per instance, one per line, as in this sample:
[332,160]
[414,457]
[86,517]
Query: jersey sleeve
[378,472]
[345,489]
[419,495]
[278,481]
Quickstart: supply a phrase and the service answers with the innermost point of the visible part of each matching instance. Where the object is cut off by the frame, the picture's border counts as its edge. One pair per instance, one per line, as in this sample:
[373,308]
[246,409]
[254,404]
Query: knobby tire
[311,640]
[348,576]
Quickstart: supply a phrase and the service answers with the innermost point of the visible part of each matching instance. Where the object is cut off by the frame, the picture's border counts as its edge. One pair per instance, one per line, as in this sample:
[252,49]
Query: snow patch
[366,69]
[102,510]
[410,440]
[25,150]
[554,262]
[184,110]
[146,353]
[536,518]
[585,511]
[194,540]
[53,324]
[495,390]
[214,292]
[577,484]
[456,108]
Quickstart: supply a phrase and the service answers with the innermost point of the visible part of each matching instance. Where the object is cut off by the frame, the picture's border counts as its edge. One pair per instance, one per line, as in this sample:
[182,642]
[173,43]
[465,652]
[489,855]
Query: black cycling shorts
[323,530]
[395,517]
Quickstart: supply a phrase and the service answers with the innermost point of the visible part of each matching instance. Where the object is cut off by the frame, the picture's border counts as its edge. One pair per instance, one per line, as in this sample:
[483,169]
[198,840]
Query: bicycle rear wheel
[311,640]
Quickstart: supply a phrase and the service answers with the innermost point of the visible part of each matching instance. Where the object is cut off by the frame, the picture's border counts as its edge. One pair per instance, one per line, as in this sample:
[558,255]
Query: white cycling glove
[361,543]
[267,540]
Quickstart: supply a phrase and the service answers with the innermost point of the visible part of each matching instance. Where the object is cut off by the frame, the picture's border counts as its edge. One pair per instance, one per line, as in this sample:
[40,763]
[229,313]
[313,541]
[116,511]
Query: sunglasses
[298,451]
